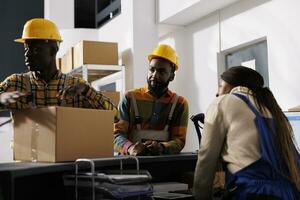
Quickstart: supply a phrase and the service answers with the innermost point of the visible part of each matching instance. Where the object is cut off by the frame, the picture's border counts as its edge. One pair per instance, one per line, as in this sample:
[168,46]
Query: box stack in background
[67,61]
[89,52]
[94,52]
[58,63]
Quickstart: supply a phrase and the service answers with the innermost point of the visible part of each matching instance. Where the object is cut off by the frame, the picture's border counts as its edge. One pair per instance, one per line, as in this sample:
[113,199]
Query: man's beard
[158,89]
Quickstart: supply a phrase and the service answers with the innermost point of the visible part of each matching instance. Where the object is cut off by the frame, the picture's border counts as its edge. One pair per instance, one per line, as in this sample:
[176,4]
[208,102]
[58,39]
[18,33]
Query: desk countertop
[18,169]
[28,180]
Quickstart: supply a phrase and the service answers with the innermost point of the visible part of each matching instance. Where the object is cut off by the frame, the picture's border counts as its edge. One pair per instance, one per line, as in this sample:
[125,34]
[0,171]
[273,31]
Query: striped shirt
[41,94]
[154,115]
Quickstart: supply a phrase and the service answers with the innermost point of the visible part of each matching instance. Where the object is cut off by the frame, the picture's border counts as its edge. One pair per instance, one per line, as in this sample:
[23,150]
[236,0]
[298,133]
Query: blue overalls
[264,176]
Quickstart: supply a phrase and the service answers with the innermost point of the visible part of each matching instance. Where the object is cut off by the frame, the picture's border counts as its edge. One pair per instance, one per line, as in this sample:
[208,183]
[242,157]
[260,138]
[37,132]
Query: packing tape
[34,140]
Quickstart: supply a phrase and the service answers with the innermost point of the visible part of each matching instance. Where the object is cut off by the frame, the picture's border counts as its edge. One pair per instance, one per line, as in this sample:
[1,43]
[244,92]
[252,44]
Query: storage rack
[93,73]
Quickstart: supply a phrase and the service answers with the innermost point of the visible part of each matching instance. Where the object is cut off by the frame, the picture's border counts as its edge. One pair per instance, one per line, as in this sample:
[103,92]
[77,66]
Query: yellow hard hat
[40,28]
[166,52]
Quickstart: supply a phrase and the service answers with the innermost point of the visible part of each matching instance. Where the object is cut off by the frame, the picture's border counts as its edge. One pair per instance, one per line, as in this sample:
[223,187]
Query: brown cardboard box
[114,96]
[94,52]
[294,109]
[54,134]
[58,63]
[67,63]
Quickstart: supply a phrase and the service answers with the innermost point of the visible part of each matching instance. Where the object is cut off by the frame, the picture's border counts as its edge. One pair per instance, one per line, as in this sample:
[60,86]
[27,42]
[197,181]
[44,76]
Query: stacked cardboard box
[89,52]
[94,52]
[67,61]
[58,63]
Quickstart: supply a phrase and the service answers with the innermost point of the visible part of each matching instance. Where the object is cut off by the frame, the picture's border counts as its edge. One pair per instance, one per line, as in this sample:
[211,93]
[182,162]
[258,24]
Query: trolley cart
[117,184]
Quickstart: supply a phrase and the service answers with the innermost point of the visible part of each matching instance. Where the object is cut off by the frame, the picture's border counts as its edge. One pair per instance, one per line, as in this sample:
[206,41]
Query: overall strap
[138,119]
[171,112]
[248,102]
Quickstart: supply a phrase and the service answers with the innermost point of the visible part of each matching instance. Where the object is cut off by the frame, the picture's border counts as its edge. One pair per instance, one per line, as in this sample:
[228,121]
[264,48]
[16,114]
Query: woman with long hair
[247,130]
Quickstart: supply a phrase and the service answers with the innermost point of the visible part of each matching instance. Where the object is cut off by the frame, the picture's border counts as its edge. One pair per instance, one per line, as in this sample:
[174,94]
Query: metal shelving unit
[94,73]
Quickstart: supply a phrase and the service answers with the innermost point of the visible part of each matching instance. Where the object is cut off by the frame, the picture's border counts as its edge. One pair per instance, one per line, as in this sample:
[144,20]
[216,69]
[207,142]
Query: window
[252,54]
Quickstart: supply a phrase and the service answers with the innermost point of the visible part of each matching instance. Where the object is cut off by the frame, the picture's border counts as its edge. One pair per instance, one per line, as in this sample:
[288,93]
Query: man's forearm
[121,143]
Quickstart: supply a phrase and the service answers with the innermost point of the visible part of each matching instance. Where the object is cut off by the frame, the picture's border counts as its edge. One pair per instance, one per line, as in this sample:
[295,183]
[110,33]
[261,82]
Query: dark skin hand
[154,147]
[11,97]
[150,147]
[138,149]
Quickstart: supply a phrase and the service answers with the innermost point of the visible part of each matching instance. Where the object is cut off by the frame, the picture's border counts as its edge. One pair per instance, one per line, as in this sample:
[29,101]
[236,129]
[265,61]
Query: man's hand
[11,97]
[138,149]
[71,91]
[154,147]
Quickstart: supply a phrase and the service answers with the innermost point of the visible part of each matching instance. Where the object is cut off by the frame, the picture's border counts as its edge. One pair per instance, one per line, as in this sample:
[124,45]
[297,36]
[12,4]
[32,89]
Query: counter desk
[32,181]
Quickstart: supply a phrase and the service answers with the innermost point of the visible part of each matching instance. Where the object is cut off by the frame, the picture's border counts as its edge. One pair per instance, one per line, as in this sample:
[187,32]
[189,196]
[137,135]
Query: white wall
[6,137]
[61,12]
[145,38]
[169,8]
[198,44]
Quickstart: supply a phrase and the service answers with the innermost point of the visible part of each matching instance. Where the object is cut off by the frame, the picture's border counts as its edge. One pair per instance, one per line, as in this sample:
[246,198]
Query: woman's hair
[264,98]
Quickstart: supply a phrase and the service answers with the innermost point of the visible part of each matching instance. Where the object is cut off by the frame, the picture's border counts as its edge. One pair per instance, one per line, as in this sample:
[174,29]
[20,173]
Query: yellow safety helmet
[166,52]
[39,28]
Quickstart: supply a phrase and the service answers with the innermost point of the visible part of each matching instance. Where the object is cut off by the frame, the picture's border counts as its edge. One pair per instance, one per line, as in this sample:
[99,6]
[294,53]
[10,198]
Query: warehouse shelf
[98,75]
[91,72]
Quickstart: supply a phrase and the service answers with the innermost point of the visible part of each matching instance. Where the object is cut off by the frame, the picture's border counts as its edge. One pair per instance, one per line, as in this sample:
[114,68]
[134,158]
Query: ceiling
[192,12]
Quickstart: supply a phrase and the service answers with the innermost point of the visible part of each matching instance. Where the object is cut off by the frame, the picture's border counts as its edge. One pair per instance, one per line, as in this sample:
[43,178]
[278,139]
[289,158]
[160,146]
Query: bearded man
[153,119]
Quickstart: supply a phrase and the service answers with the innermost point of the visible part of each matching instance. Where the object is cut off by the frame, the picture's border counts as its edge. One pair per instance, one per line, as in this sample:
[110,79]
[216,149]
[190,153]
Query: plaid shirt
[43,94]
[147,105]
